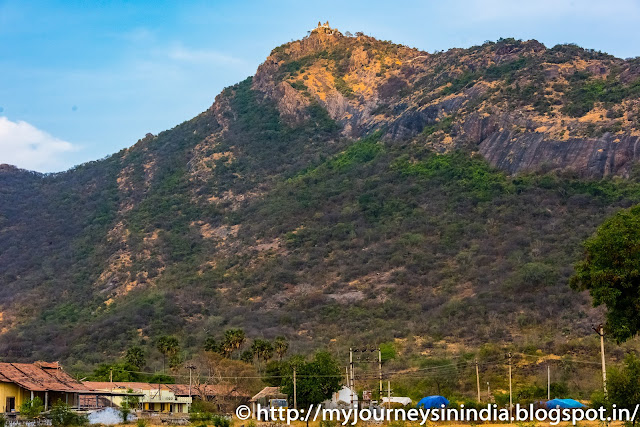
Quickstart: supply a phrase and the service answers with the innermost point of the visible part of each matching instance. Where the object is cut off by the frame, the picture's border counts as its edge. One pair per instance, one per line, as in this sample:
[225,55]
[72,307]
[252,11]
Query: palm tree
[267,351]
[168,346]
[233,340]
[281,345]
[135,356]
[256,348]
[261,349]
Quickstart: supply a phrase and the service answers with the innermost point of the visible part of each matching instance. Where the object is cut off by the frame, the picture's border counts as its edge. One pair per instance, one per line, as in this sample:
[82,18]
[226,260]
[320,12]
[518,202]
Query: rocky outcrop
[605,156]
[506,99]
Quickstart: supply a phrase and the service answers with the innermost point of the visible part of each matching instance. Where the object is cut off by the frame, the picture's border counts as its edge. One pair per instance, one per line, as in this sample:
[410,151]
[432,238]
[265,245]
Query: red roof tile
[39,376]
[207,390]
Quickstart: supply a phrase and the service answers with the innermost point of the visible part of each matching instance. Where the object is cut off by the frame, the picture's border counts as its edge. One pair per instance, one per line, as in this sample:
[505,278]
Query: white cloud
[26,146]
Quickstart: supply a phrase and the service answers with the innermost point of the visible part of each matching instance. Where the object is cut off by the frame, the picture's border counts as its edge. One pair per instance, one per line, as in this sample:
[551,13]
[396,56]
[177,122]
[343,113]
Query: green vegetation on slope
[292,229]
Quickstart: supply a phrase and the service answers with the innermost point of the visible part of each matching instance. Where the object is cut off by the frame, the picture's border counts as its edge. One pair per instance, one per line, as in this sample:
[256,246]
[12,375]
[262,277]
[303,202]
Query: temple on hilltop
[324,29]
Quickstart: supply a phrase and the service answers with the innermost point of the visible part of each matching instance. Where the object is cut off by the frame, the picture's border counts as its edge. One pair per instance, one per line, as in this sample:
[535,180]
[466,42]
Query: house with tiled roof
[20,382]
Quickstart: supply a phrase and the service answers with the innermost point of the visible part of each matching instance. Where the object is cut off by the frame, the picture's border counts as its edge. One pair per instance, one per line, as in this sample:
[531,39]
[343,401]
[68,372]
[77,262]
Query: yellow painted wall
[12,390]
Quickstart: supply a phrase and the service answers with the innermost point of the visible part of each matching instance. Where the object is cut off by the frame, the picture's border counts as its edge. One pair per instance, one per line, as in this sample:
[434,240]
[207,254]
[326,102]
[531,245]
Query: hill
[352,191]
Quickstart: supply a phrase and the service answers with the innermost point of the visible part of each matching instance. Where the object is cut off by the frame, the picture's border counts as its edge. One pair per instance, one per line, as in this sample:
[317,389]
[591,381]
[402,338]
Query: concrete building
[153,397]
[343,398]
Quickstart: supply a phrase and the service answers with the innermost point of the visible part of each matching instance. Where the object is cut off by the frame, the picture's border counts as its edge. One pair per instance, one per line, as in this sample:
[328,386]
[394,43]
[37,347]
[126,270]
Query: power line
[416,373]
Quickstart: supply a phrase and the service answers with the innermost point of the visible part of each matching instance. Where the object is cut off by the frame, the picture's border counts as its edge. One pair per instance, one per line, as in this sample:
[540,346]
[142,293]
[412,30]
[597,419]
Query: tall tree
[233,340]
[211,344]
[610,271]
[317,379]
[280,345]
[169,347]
[135,357]
[262,350]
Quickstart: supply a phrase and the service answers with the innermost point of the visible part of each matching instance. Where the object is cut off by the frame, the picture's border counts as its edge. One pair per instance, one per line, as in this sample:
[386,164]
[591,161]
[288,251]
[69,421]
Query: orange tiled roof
[39,376]
[107,385]
[207,390]
[177,389]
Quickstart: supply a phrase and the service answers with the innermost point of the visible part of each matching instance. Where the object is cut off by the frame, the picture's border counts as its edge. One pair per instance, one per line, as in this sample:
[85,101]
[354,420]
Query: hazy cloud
[26,146]
[178,52]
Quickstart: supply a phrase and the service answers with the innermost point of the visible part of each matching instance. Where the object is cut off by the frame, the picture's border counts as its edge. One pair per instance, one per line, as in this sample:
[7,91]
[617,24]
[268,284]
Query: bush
[388,351]
[221,421]
[62,415]
[197,415]
[129,404]
[31,408]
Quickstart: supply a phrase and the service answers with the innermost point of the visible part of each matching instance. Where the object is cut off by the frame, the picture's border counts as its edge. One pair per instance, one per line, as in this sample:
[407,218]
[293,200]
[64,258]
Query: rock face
[605,156]
[526,107]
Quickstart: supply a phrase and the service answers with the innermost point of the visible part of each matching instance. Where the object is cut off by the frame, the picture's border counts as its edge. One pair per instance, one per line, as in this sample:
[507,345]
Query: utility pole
[351,376]
[478,379]
[389,393]
[111,381]
[190,367]
[510,389]
[295,390]
[600,331]
[380,370]
[548,382]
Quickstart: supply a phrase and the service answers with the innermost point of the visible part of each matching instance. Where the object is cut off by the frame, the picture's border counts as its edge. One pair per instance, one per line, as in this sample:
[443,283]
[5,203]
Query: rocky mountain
[353,190]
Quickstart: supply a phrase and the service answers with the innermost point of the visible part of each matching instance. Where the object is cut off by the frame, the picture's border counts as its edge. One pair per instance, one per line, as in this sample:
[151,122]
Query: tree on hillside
[135,357]
[610,271]
[261,350]
[169,347]
[233,340]
[211,344]
[317,379]
[124,372]
[280,346]
[247,356]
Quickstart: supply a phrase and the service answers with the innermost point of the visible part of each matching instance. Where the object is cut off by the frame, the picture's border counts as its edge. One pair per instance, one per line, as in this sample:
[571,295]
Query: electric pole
[295,390]
[510,389]
[600,331]
[190,367]
[548,382]
[380,370]
[388,394]
[111,381]
[351,378]
[478,379]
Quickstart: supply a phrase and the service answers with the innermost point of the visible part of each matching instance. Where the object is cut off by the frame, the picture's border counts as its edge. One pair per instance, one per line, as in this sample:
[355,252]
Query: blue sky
[83,79]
